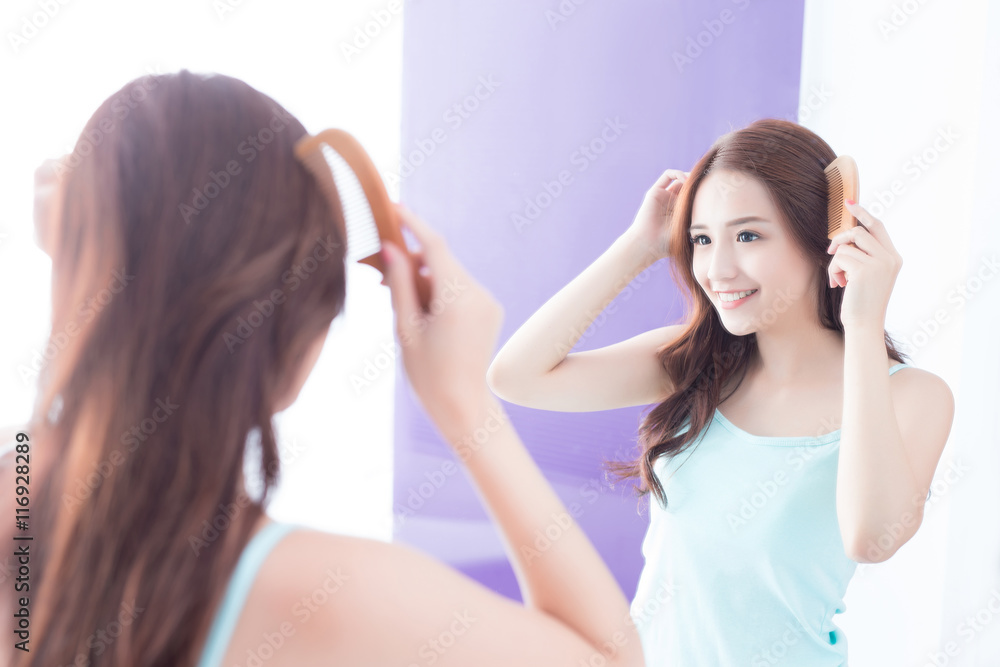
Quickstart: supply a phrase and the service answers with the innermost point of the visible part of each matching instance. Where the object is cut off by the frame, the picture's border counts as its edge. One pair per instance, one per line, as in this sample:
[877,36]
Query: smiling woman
[756,535]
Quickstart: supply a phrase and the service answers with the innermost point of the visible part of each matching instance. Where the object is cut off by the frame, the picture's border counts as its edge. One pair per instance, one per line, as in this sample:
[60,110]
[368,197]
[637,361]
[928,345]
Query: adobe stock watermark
[120,109]
[266,307]
[959,296]
[223,8]
[778,649]
[647,605]
[591,321]
[365,35]
[754,503]
[102,640]
[914,167]
[219,180]
[87,311]
[435,647]
[454,117]
[813,102]
[563,11]
[130,439]
[582,158]
[970,627]
[892,532]
[32,24]
[547,536]
[373,367]
[467,446]
[714,28]
[731,354]
[213,528]
[899,16]
[302,610]
[610,647]
[939,488]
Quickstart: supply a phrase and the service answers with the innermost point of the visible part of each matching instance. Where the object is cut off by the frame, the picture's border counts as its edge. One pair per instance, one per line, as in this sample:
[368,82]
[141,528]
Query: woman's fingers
[670,175]
[402,291]
[433,249]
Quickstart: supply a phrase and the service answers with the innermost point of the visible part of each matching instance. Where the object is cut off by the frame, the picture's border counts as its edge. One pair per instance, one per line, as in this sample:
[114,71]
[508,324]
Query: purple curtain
[530,134]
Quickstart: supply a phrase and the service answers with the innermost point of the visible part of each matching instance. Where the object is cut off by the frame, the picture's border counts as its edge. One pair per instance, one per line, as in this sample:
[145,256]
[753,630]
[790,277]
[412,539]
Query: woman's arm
[446,353]
[534,368]
[400,606]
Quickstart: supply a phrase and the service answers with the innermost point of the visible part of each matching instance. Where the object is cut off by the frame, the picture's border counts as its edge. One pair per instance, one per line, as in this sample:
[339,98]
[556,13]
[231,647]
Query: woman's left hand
[866,270]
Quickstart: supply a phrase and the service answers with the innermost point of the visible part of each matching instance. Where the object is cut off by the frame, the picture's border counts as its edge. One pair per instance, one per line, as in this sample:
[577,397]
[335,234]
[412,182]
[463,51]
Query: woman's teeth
[735,297]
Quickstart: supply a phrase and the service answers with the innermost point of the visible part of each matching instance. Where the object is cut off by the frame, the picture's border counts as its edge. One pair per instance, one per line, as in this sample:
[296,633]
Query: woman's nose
[721,266]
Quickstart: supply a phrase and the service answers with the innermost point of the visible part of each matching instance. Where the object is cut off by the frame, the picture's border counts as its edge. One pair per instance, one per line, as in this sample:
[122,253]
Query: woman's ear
[48,203]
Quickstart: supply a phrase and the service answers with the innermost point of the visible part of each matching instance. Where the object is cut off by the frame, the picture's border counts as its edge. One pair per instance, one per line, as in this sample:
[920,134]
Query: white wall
[906,79]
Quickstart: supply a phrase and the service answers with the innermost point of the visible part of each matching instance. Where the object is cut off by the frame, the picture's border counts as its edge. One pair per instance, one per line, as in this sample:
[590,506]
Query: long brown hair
[194,263]
[788,160]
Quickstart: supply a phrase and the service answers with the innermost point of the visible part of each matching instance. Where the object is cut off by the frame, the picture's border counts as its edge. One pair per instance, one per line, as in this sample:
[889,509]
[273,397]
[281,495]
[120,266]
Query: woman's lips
[729,305]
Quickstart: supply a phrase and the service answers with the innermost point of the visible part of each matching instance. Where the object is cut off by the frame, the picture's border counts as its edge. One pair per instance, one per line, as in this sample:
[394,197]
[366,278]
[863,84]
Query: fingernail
[850,201]
[387,255]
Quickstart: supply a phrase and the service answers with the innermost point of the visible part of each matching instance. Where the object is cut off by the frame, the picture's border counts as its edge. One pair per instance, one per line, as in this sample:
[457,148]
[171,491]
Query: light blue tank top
[253,556]
[746,565]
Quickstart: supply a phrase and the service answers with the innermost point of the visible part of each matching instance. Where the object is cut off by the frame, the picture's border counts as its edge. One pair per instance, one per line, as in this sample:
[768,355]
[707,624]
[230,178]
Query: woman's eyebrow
[737,221]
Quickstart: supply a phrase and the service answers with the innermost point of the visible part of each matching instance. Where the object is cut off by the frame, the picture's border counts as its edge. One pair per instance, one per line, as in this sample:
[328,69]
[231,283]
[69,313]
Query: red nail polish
[851,202]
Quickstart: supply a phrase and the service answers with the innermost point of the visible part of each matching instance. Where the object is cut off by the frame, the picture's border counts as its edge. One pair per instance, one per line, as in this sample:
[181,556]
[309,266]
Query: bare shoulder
[922,390]
[362,601]
[924,406]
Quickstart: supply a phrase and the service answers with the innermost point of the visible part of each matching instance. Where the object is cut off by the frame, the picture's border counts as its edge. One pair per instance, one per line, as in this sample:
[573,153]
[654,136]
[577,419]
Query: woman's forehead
[726,196]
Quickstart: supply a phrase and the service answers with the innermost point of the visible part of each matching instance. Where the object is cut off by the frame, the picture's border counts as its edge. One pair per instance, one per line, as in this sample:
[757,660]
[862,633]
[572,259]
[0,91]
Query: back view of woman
[196,271]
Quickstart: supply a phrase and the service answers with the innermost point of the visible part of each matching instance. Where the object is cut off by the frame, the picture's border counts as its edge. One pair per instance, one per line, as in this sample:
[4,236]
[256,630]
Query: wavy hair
[788,160]
[195,262]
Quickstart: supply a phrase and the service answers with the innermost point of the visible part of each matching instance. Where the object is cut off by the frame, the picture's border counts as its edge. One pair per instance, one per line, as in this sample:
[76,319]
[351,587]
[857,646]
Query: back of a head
[195,261]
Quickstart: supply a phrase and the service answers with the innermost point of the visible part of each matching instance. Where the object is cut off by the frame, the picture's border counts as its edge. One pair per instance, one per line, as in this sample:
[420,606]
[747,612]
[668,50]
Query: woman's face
[756,253]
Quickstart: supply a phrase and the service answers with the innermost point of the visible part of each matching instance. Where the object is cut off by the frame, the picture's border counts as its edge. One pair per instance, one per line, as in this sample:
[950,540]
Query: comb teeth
[842,183]
[835,201]
[362,233]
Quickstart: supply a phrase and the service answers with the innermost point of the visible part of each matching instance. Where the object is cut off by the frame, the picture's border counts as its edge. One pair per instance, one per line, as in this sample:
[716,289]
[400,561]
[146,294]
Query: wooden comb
[842,179]
[353,185]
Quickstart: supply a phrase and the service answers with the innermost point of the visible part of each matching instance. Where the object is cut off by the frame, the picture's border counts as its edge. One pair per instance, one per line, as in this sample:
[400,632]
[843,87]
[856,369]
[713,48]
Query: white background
[895,75]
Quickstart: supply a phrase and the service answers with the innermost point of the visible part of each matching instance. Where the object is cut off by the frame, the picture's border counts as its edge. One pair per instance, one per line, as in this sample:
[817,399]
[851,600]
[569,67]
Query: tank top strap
[253,556]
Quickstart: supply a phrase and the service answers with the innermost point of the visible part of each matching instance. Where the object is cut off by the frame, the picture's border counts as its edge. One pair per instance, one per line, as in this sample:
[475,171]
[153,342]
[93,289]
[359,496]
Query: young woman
[145,547]
[765,506]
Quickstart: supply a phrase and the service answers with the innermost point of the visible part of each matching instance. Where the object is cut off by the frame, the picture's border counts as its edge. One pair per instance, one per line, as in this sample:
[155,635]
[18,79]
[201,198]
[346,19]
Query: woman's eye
[694,240]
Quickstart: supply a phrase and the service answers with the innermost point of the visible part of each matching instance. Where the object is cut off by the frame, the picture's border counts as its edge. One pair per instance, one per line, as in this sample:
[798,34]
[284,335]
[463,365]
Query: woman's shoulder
[356,600]
[324,592]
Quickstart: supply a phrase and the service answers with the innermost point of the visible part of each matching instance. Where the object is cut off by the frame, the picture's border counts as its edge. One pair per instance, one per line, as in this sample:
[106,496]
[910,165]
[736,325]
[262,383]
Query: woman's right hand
[651,226]
[447,351]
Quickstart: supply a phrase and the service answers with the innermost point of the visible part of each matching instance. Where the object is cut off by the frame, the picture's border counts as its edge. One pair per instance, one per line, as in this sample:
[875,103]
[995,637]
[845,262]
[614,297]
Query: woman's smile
[730,300]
